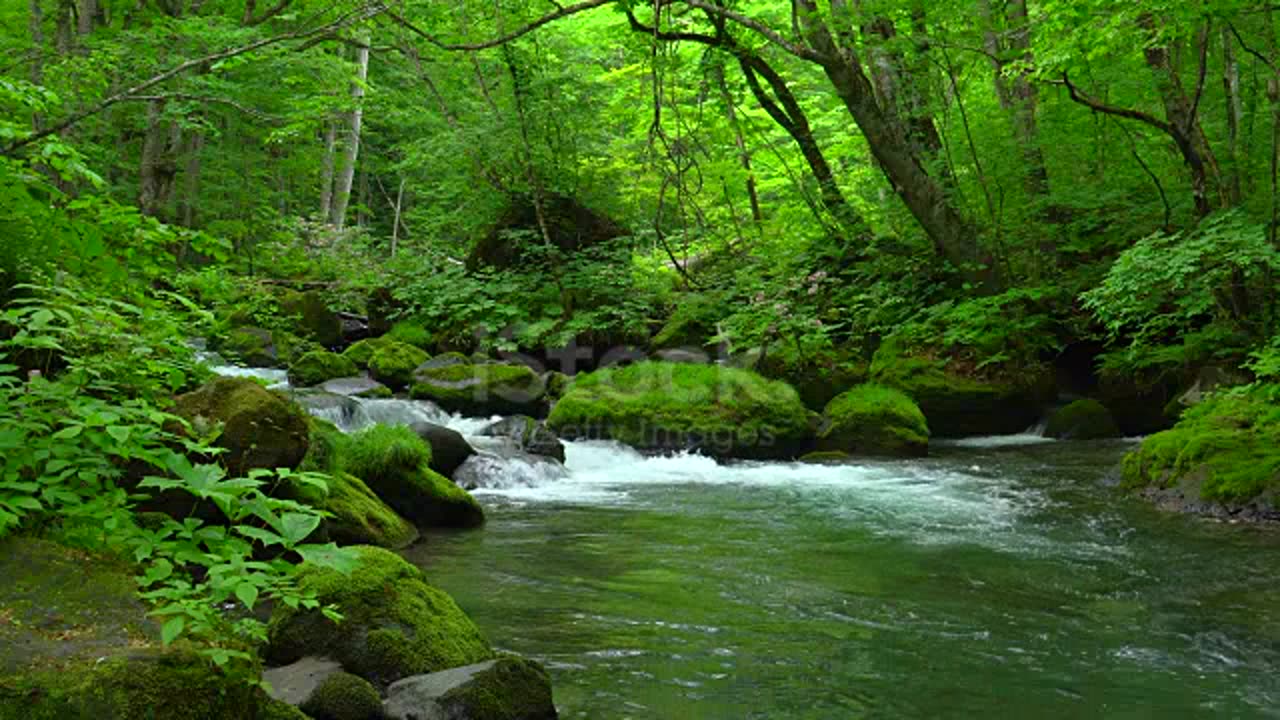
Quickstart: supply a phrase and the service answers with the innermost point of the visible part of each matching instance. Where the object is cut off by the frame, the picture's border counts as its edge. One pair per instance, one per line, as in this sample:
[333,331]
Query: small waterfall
[488,471]
[404,412]
[277,379]
[347,413]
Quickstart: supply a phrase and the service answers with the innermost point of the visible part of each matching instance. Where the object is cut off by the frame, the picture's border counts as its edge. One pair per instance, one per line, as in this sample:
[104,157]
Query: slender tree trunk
[63,32]
[158,167]
[86,12]
[36,27]
[1235,115]
[1273,98]
[191,180]
[395,221]
[744,156]
[1017,94]
[351,140]
[952,234]
[326,169]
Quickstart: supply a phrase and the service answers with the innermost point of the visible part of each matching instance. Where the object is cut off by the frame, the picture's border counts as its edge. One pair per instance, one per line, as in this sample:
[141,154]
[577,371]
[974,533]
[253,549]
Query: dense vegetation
[946,214]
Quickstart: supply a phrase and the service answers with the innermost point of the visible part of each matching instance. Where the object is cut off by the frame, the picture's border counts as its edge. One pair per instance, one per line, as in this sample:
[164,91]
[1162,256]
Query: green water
[996,582]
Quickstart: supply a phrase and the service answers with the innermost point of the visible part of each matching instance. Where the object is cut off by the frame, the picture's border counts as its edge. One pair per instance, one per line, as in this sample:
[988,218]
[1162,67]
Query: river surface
[998,579]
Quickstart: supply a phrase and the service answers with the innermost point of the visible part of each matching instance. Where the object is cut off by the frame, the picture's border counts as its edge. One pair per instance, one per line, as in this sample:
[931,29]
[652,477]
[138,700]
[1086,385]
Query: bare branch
[369,11]
[1098,106]
[800,51]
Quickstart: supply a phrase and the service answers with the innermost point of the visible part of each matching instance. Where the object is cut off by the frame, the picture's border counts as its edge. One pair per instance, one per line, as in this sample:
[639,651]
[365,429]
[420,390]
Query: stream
[999,577]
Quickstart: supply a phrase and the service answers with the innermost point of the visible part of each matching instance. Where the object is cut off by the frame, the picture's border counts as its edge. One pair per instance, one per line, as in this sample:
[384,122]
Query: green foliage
[1014,328]
[1178,299]
[383,453]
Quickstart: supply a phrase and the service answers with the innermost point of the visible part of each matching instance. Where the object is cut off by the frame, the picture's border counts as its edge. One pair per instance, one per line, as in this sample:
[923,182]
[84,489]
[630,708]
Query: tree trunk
[36,27]
[191,181]
[351,140]
[158,167]
[63,31]
[86,11]
[952,234]
[326,169]
[395,221]
[1235,116]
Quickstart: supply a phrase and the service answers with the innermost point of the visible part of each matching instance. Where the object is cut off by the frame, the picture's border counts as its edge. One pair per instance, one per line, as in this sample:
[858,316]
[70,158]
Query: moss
[874,420]
[556,383]
[319,366]
[394,462]
[325,446]
[393,364]
[251,346]
[362,351]
[722,411]
[343,696]
[1082,420]
[290,348]
[279,710]
[957,403]
[314,318]
[260,428]
[824,457]
[513,688]
[481,389]
[361,518]
[691,325]
[412,333]
[151,684]
[394,624]
[378,392]
[1228,444]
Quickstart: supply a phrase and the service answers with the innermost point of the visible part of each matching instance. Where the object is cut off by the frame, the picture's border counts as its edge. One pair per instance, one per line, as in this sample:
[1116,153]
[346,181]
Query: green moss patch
[1228,445]
[1082,420]
[361,352]
[724,412]
[394,624]
[481,389]
[394,462]
[361,518]
[874,420]
[343,696]
[259,428]
[318,366]
[393,364]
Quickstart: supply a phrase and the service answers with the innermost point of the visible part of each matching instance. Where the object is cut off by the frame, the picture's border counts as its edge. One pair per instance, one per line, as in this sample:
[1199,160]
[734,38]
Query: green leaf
[247,593]
[297,527]
[172,628]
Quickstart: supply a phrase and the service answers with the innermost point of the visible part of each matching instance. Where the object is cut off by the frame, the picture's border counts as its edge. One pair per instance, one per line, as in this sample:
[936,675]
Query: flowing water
[1000,578]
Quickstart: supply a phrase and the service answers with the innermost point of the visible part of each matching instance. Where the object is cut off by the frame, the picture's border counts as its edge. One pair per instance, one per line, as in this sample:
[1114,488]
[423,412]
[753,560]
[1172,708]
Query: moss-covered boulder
[826,457]
[817,376]
[958,402]
[396,464]
[259,428]
[481,390]
[1085,419]
[1222,458]
[360,517]
[319,366]
[410,332]
[343,696]
[394,624]
[393,364]
[508,688]
[654,406]
[361,351]
[251,346]
[314,320]
[874,420]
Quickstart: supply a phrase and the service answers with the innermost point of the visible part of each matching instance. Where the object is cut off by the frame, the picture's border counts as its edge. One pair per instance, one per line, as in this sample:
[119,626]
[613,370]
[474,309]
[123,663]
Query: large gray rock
[527,435]
[294,683]
[448,448]
[508,688]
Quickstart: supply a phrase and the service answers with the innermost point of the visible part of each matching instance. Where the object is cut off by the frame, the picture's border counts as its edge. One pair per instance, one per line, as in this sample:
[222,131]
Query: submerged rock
[527,435]
[874,420]
[394,624]
[654,406]
[260,428]
[508,688]
[1082,420]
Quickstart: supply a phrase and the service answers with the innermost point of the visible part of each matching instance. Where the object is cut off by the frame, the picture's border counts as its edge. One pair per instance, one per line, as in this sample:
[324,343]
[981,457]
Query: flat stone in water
[351,386]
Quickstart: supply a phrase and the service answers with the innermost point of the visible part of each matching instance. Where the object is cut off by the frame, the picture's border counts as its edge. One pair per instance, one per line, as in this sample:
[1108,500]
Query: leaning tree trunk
[351,140]
[952,234]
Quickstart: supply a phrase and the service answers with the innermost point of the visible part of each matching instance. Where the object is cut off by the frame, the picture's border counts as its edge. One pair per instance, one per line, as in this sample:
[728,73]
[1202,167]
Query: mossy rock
[361,518]
[826,457]
[260,428]
[508,688]
[395,463]
[277,710]
[959,405]
[394,624]
[412,333]
[1224,452]
[874,420]
[289,348]
[361,352]
[556,384]
[1085,419]
[143,683]
[655,406]
[480,390]
[393,364]
[319,366]
[446,359]
[816,379]
[252,346]
[343,696]
[313,317]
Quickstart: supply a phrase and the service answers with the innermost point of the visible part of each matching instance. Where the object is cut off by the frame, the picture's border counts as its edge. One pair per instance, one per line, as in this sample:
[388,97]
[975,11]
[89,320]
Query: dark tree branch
[1101,107]
[1245,46]
[1204,68]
